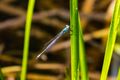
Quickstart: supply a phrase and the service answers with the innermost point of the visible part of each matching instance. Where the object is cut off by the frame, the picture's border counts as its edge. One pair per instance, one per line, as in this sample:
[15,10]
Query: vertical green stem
[82,57]
[26,38]
[118,76]
[111,41]
[74,39]
[1,75]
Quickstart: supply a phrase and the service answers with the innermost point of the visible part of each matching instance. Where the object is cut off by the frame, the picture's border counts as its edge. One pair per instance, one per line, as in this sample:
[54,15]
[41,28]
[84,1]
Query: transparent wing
[53,41]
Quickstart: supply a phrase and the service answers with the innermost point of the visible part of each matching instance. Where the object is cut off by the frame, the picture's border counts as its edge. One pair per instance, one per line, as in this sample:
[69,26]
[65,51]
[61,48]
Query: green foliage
[1,75]
[111,41]
[82,56]
[118,76]
[117,44]
[26,39]
[78,59]
[74,38]
[67,74]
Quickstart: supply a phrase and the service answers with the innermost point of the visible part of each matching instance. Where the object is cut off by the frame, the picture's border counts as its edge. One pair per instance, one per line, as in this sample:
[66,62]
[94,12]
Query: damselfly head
[66,29]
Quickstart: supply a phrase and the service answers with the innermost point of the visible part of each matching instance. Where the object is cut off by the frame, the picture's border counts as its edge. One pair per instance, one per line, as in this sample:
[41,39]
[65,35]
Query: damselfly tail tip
[38,56]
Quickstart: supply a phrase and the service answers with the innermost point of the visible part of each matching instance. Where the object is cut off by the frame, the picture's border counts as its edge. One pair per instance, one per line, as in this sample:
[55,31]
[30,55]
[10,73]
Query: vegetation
[82,55]
[118,76]
[74,27]
[26,39]
[52,21]
[111,40]
[1,75]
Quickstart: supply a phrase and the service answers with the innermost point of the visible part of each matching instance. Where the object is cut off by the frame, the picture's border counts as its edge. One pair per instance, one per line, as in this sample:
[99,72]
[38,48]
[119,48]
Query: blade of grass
[111,41]
[74,39]
[118,76]
[1,75]
[82,56]
[67,74]
[26,38]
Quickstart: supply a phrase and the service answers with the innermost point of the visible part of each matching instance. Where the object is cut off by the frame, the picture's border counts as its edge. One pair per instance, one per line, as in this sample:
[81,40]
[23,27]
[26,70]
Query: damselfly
[52,41]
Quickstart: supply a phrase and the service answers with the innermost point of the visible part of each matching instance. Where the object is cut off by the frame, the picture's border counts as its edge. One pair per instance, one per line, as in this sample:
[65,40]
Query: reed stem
[111,41]
[26,38]
[118,76]
[82,56]
[1,75]
[74,39]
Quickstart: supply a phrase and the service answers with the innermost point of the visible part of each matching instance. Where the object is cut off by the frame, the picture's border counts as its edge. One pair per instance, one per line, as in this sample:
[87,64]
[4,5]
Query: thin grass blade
[74,39]
[118,76]
[1,75]
[111,41]
[82,55]
[26,39]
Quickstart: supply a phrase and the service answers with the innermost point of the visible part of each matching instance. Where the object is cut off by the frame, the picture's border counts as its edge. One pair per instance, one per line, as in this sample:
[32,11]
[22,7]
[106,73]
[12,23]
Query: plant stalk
[26,38]
[82,55]
[74,39]
[118,76]
[1,75]
[111,41]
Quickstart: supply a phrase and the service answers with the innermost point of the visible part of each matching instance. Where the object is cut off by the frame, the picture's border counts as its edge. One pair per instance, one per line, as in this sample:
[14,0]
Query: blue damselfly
[52,41]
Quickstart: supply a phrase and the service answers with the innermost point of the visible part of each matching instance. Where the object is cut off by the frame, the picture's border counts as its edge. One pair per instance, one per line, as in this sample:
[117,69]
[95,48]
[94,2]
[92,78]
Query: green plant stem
[26,38]
[118,76]
[1,75]
[74,39]
[82,56]
[67,74]
[111,41]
